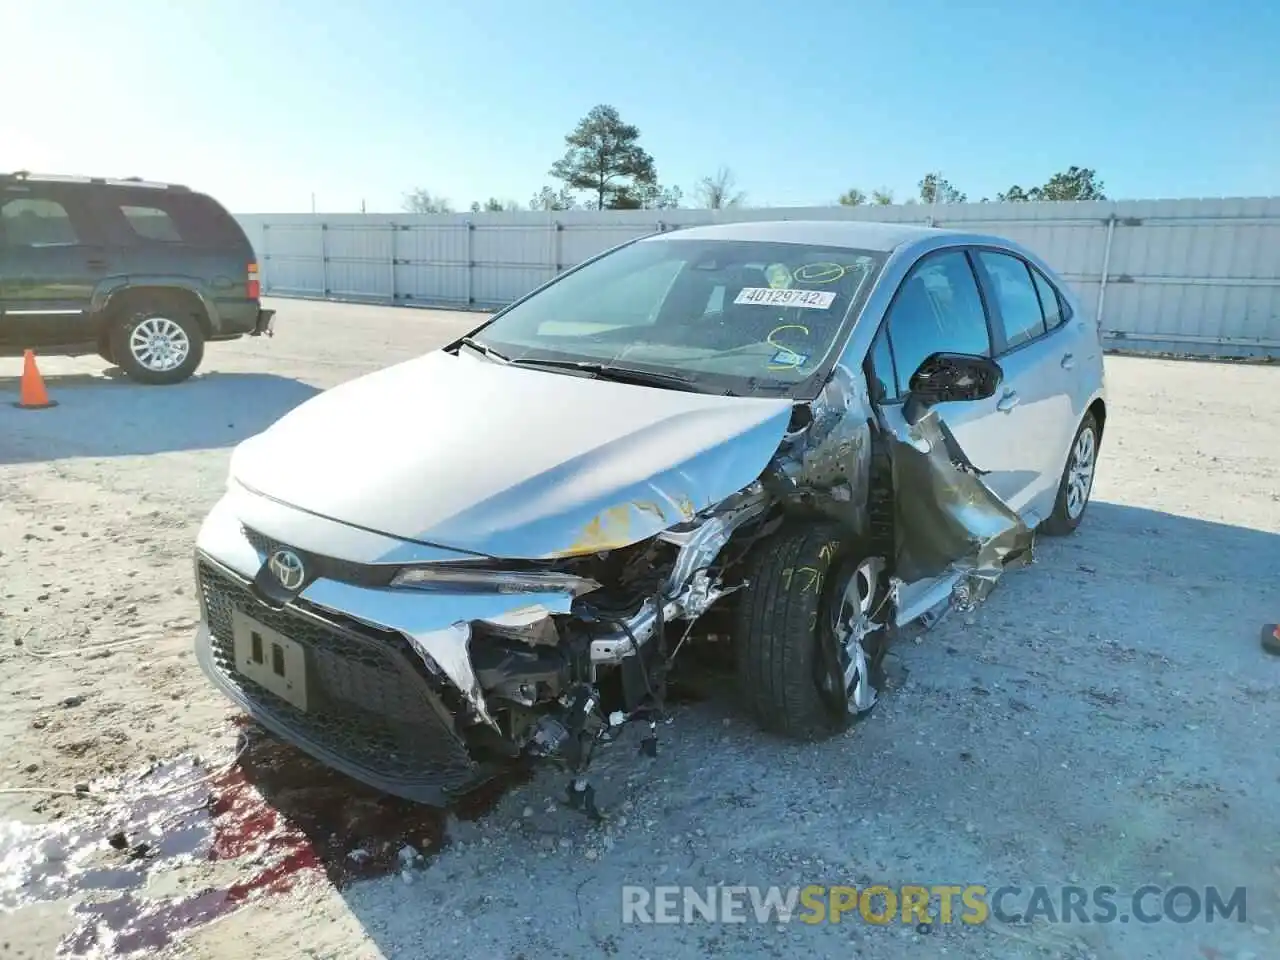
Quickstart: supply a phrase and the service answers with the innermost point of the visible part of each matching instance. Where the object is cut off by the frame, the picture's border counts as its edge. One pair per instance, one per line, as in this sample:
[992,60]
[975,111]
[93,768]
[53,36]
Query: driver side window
[937,309]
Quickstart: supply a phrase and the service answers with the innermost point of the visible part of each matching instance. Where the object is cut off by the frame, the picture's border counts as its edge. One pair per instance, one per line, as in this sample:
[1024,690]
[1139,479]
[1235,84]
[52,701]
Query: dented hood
[465,453]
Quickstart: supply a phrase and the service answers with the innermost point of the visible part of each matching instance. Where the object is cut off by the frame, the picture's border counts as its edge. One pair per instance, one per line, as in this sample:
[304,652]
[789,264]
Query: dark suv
[143,274]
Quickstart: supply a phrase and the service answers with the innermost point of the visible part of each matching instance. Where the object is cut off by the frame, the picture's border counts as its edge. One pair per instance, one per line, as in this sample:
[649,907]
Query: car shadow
[1195,583]
[109,416]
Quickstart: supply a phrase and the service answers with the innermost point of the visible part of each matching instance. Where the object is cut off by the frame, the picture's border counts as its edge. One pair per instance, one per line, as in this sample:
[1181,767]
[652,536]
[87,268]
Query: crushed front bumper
[389,688]
[371,711]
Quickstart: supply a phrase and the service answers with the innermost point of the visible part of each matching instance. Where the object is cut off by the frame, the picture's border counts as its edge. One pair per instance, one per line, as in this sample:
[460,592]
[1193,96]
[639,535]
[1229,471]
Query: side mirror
[947,377]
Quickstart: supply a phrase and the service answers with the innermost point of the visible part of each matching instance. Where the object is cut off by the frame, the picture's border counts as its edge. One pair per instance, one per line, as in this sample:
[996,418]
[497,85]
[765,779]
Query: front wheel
[157,345]
[1076,484]
[810,632]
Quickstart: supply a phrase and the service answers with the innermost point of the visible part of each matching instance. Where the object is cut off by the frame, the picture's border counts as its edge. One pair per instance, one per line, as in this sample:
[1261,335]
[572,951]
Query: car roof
[64,181]
[856,234]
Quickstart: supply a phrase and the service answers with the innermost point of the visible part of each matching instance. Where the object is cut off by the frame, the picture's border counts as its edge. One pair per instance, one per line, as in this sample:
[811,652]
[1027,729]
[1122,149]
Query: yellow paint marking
[822,272]
[815,578]
[783,348]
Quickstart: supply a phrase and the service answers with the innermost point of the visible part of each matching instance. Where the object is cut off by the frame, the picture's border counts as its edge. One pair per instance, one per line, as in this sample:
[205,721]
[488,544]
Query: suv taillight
[252,288]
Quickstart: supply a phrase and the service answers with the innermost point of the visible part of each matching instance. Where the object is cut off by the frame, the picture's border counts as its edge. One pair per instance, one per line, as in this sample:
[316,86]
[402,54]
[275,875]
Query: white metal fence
[1181,276]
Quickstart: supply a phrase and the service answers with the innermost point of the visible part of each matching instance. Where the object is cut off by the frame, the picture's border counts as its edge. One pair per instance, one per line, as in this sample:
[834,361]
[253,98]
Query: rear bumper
[265,323]
[240,318]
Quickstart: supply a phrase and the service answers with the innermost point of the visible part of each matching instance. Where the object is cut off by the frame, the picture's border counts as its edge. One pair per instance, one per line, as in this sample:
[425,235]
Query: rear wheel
[1076,484]
[809,636]
[157,343]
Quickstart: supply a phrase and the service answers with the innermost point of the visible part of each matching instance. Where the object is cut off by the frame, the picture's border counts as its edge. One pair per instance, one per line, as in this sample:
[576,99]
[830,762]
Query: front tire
[799,673]
[1076,483]
[157,344]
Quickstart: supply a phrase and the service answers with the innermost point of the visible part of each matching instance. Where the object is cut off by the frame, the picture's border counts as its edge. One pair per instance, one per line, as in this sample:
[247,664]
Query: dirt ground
[1106,717]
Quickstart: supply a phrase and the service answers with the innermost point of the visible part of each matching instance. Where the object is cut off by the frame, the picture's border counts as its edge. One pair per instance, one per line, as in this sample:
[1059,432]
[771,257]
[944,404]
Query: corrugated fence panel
[359,262]
[1182,276]
[510,260]
[432,263]
[293,258]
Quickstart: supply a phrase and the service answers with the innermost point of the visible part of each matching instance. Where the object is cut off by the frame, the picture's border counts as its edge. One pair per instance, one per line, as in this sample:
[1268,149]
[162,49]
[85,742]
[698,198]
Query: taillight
[252,288]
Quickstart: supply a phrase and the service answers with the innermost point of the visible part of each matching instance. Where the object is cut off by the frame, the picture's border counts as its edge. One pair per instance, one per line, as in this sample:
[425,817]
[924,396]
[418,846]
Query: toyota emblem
[287,568]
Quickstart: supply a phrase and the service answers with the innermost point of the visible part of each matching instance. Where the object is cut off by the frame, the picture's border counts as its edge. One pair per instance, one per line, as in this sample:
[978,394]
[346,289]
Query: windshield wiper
[604,371]
[479,347]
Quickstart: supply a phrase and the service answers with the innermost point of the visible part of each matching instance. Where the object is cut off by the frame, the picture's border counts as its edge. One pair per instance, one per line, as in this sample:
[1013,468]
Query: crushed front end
[423,670]
[424,678]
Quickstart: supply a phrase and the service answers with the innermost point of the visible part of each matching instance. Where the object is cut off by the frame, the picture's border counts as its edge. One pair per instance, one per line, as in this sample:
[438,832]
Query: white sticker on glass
[770,297]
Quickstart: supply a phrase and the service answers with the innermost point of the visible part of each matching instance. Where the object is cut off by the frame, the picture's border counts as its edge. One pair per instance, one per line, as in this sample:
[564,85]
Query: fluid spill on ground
[275,820]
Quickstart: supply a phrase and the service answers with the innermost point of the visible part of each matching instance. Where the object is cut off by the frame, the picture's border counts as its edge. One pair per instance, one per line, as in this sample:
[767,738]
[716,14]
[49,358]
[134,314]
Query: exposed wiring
[635,646]
[687,630]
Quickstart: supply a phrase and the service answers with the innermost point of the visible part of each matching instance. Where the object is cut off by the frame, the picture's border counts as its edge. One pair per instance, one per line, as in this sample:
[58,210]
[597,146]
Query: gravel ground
[1101,719]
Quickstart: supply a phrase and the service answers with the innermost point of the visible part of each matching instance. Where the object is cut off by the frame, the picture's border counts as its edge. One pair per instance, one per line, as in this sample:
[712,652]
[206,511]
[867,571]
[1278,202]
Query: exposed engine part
[541,632]
[520,673]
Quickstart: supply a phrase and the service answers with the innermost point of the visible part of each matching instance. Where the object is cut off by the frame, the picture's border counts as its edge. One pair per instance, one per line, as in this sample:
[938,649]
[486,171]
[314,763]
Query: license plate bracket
[270,659]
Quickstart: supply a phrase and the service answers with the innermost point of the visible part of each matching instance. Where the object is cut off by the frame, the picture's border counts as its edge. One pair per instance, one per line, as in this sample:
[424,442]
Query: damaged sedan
[815,433]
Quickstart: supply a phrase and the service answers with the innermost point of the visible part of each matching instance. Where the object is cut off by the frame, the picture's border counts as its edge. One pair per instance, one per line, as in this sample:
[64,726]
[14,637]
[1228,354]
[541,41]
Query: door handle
[1068,361]
[1007,402]
[96,262]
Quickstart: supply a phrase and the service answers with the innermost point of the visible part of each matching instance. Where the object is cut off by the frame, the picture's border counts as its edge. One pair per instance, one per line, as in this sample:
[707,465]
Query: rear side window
[1015,293]
[937,310]
[1050,302]
[204,222]
[34,222]
[152,223]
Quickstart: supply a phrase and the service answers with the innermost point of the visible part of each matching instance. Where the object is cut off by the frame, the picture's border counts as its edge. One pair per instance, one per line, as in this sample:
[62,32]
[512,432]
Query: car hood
[462,452]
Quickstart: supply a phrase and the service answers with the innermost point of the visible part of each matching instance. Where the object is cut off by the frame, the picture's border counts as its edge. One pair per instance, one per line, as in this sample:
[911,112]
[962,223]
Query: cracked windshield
[726,316]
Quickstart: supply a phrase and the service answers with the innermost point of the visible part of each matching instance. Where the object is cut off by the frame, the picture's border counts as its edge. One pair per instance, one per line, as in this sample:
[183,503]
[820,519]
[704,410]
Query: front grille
[261,542]
[330,568]
[368,704]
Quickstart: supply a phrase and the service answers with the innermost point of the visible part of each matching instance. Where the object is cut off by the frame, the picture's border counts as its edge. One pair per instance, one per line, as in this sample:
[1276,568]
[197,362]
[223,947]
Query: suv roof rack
[26,176]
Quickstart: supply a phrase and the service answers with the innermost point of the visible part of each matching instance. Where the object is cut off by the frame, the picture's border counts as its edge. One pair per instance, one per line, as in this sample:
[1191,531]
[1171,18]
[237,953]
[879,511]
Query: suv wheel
[157,344]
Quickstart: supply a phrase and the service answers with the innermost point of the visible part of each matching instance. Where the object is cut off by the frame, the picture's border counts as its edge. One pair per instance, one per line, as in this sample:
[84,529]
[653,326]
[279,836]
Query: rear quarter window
[204,221]
[1050,300]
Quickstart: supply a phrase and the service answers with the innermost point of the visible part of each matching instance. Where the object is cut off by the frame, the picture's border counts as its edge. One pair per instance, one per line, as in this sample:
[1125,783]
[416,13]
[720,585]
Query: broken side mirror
[950,377]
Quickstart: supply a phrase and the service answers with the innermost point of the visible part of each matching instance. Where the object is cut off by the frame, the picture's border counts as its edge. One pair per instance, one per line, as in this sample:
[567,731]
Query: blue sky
[264,103]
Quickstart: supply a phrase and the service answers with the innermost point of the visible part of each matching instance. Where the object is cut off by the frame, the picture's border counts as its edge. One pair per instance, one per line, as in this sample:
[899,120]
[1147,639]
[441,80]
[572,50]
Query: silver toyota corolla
[817,433]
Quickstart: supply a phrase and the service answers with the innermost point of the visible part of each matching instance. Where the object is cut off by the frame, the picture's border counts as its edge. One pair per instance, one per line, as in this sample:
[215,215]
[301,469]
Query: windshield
[731,316]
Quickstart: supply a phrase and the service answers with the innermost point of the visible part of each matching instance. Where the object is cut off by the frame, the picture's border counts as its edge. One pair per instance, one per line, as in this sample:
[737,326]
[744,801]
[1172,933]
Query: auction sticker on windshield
[770,297]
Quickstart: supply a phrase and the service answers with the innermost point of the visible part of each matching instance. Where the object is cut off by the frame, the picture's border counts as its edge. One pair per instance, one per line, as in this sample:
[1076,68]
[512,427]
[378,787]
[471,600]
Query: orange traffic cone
[1271,638]
[33,395]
